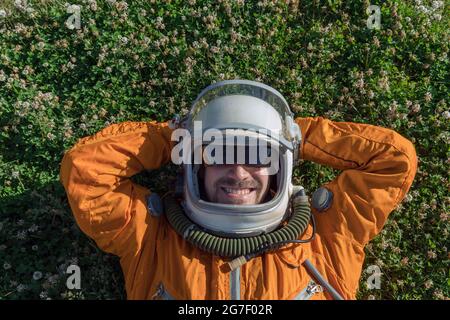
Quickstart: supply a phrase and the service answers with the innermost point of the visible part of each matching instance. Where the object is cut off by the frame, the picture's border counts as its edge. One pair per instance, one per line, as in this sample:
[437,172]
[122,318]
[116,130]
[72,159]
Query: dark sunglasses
[254,156]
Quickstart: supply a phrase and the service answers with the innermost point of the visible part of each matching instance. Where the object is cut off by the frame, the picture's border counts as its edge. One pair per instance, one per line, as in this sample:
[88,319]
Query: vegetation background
[147,60]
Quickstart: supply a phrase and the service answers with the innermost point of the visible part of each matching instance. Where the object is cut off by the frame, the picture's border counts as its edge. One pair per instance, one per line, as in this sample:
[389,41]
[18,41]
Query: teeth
[237,191]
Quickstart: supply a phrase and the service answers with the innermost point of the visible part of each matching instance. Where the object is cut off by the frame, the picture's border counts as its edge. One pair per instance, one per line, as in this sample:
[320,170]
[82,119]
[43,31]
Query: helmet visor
[239,88]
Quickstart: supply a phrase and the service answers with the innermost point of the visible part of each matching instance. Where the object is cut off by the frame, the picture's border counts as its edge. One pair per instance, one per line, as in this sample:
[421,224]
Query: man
[238,229]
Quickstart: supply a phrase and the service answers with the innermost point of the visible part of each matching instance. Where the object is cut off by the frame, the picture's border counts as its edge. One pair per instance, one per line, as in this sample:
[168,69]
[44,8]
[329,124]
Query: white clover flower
[438,294]
[18,4]
[359,83]
[21,235]
[53,279]
[21,287]
[43,295]
[122,6]
[6,266]
[437,16]
[15,174]
[437,4]
[423,9]
[428,284]
[124,40]
[215,49]
[408,197]
[93,5]
[2,14]
[37,275]
[446,114]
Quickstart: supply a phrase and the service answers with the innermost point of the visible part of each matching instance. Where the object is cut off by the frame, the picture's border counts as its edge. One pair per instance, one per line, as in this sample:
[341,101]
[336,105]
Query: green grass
[58,85]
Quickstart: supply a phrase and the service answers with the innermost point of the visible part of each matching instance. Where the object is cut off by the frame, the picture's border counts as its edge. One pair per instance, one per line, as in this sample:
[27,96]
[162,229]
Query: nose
[238,172]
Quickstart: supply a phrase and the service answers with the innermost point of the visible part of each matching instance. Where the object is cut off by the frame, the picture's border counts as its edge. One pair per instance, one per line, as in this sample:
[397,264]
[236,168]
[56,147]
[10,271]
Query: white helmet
[243,108]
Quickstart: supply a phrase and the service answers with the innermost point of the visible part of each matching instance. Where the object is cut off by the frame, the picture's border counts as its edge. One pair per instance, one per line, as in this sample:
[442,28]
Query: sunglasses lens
[257,156]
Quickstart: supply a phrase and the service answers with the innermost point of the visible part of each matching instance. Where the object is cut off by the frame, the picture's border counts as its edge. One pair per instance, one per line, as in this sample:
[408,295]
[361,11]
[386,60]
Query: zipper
[235,284]
[311,289]
[161,293]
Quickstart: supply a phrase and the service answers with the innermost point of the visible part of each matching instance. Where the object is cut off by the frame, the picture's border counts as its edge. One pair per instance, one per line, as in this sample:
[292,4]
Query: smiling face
[236,184]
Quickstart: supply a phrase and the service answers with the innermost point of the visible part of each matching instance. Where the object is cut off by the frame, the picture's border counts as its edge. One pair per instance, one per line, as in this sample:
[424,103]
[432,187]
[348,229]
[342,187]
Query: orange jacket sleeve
[96,172]
[378,166]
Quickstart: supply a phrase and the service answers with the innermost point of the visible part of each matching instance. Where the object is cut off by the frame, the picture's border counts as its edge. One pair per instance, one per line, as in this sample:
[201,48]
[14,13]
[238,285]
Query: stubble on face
[241,186]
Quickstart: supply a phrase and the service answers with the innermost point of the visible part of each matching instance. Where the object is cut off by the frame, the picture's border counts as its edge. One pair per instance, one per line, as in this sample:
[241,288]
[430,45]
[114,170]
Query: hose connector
[236,263]
[299,195]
